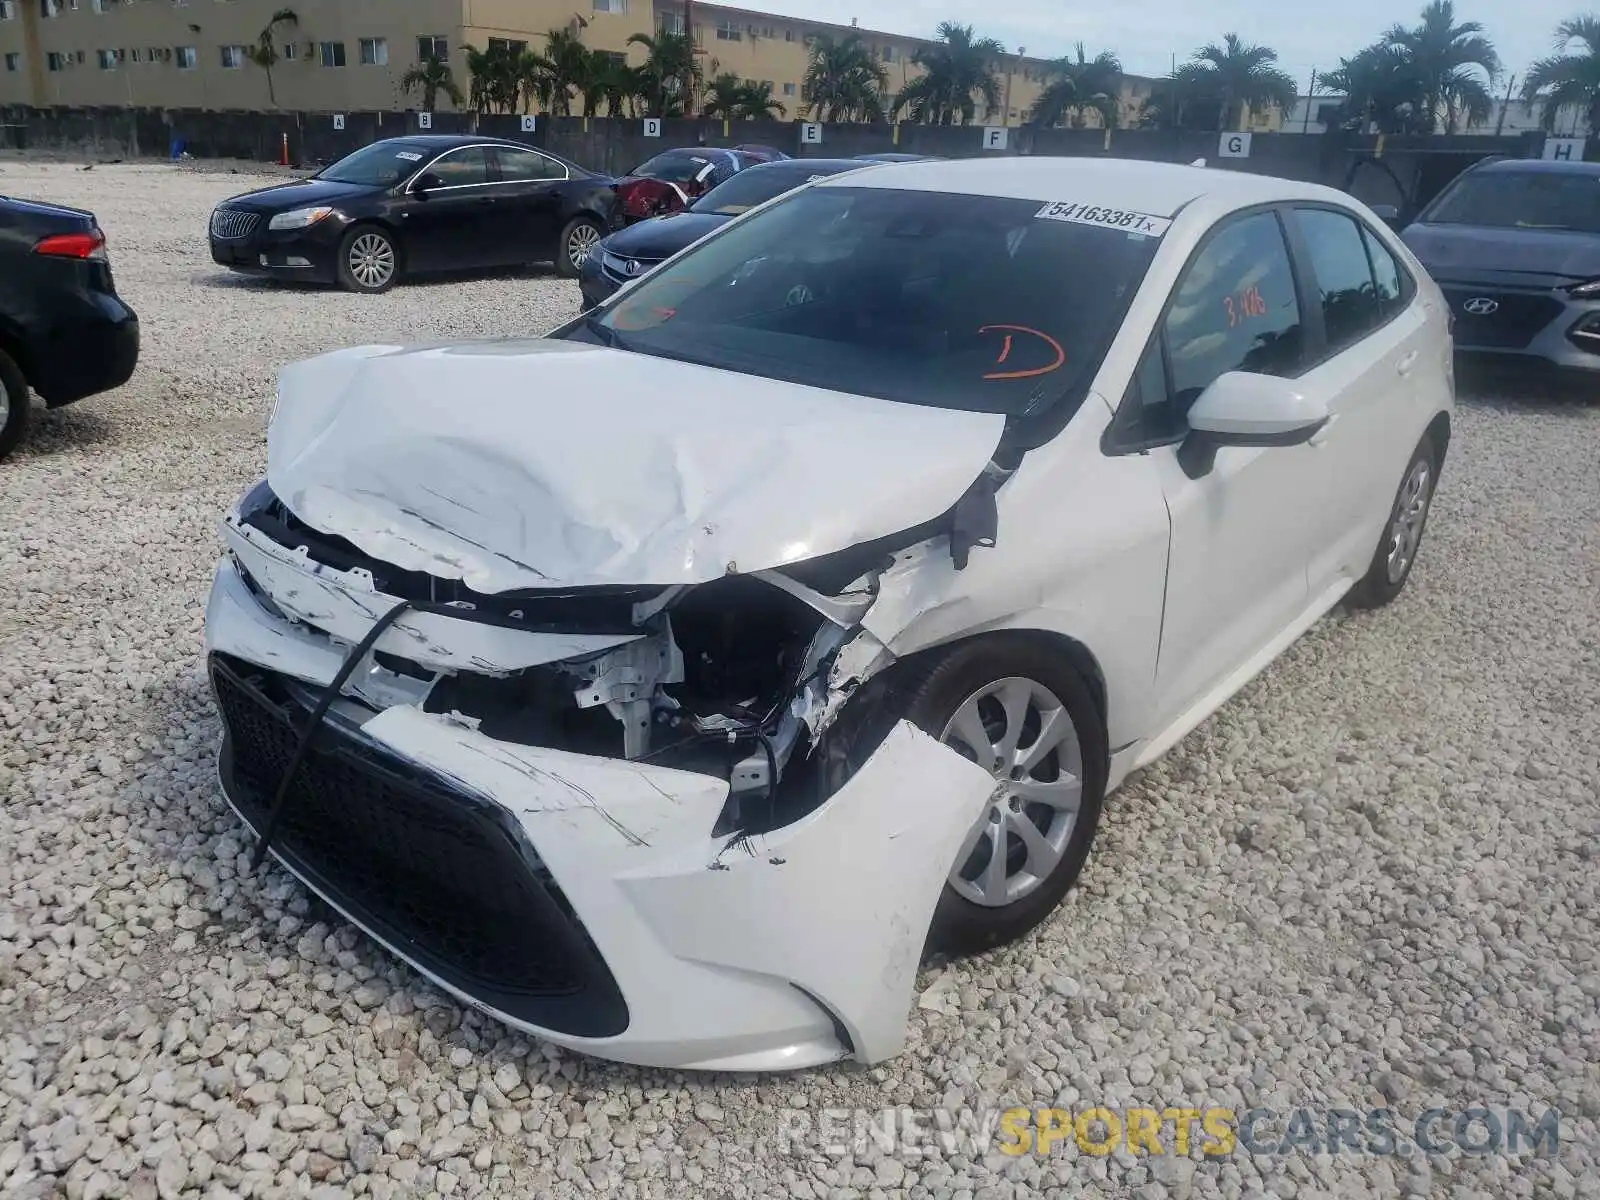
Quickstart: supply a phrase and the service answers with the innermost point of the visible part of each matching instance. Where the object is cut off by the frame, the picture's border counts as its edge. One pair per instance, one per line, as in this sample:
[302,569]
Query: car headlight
[299,218]
[1590,290]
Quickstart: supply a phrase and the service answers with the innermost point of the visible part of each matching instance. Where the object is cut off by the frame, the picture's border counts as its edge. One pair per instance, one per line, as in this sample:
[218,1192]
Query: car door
[450,212]
[532,188]
[1372,342]
[1236,575]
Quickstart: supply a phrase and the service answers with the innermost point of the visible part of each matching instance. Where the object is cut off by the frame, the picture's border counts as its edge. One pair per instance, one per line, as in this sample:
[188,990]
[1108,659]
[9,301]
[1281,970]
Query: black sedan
[64,331]
[638,249]
[417,204]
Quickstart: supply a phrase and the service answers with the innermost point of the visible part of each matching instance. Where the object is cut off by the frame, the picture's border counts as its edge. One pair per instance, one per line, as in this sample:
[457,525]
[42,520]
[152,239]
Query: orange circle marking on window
[1005,352]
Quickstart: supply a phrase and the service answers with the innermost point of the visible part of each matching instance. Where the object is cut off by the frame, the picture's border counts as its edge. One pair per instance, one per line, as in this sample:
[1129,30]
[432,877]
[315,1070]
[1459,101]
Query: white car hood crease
[533,463]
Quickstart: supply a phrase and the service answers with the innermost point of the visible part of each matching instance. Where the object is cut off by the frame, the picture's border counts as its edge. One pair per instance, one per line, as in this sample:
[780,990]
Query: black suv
[64,331]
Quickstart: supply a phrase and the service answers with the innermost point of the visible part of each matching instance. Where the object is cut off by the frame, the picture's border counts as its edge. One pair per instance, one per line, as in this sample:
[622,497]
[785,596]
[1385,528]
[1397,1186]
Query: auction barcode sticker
[1125,219]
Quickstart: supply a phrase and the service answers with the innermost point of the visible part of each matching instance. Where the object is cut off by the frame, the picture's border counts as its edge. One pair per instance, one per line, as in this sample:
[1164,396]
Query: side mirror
[425,183]
[1243,409]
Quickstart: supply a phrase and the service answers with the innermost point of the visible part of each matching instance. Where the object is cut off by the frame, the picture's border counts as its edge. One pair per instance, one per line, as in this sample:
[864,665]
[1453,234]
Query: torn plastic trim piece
[844,609]
[975,519]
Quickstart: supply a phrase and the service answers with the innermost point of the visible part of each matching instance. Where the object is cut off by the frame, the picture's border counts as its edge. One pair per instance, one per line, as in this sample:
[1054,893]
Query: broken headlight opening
[728,678]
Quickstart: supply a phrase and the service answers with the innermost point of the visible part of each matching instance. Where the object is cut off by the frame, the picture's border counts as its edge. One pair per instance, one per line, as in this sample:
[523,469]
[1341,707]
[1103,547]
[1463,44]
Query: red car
[675,179]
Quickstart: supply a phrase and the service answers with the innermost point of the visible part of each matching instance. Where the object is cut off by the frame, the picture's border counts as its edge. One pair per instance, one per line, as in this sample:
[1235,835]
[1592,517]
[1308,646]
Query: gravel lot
[1369,881]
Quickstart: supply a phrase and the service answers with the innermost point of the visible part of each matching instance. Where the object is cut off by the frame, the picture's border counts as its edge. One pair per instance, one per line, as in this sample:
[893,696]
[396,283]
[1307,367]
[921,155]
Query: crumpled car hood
[534,463]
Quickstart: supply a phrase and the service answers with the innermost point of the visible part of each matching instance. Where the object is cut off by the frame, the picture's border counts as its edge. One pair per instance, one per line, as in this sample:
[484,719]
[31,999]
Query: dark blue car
[639,249]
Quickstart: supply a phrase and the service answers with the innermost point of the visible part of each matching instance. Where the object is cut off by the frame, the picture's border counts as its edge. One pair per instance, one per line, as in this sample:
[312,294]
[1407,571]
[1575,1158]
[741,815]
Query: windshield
[382,164]
[675,166]
[969,302]
[750,188]
[1522,200]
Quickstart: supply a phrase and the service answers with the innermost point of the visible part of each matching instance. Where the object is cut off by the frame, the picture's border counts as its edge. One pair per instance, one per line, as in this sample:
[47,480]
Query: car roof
[1159,189]
[810,166]
[1537,166]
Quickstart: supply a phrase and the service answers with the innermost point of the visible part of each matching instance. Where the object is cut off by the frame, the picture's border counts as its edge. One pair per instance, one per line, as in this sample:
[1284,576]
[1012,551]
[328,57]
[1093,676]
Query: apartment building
[353,54]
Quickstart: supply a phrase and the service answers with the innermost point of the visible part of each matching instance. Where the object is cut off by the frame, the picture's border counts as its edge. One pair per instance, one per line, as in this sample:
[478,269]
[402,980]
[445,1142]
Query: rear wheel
[13,404]
[578,240]
[369,260]
[1402,537]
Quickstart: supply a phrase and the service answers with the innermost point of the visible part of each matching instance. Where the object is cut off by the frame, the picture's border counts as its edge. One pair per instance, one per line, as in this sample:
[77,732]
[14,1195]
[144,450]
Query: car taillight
[74,245]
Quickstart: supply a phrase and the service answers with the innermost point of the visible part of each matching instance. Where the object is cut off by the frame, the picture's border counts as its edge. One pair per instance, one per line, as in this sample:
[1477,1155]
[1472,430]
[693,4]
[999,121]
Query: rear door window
[1351,308]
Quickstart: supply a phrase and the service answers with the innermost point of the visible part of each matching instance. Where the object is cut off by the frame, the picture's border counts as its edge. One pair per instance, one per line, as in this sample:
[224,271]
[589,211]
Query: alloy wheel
[1411,512]
[581,243]
[5,404]
[1019,731]
[372,260]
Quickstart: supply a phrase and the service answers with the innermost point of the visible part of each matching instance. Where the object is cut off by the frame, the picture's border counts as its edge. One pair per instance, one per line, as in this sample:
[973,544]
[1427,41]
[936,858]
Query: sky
[1306,35]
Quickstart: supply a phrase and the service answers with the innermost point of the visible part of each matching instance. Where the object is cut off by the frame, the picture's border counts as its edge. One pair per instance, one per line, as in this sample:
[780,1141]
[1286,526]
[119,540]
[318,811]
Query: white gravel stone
[1369,879]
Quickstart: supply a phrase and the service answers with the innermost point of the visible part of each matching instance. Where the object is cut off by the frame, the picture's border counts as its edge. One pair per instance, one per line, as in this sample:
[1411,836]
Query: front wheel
[1402,537]
[13,404]
[369,260]
[578,240]
[1016,706]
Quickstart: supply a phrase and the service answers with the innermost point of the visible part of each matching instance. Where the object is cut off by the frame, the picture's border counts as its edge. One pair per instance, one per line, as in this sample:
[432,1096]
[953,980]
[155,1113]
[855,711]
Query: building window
[615,57]
[788,35]
[291,51]
[509,47]
[727,31]
[611,6]
[672,23]
[48,9]
[888,54]
[233,57]
[187,59]
[55,61]
[13,62]
[374,52]
[332,53]
[8,10]
[788,89]
[107,59]
[433,46]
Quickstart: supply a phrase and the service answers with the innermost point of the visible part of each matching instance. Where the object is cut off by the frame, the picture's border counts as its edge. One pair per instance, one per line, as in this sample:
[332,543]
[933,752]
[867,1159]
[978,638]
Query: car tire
[933,695]
[578,239]
[369,259]
[14,404]
[1402,533]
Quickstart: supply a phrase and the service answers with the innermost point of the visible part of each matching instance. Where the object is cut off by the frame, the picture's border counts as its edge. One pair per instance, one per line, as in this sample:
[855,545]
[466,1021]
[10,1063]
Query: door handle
[1406,363]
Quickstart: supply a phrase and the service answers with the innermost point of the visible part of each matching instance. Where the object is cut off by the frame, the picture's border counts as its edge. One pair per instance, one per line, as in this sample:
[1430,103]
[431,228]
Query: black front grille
[1514,319]
[233,224]
[444,876]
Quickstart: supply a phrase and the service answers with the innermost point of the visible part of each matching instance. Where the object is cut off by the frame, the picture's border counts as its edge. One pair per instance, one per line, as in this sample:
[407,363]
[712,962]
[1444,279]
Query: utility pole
[1504,104]
[694,49]
[1305,126]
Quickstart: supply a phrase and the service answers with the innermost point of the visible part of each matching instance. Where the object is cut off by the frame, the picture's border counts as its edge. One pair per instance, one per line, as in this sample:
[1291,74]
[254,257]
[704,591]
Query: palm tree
[431,76]
[958,65]
[1379,88]
[496,78]
[265,52]
[670,73]
[1080,86]
[1566,79]
[565,67]
[843,81]
[1241,76]
[1454,64]
[612,83]
[757,103]
[723,95]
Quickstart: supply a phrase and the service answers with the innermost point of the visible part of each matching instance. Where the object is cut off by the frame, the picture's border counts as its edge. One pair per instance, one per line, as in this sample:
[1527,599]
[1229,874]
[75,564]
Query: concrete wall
[1402,172]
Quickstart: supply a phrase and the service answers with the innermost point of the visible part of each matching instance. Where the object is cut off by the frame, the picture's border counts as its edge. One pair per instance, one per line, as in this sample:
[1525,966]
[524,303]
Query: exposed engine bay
[737,678]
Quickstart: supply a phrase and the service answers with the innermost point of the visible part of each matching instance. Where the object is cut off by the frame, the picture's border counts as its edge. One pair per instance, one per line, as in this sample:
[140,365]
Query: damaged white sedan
[898,522]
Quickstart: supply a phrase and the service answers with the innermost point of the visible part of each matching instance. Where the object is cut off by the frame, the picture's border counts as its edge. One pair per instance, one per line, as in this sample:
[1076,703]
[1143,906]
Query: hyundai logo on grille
[1481,306]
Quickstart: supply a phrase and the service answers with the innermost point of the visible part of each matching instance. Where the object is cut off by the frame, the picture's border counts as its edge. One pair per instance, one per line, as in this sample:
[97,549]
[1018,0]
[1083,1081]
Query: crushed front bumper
[585,899]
